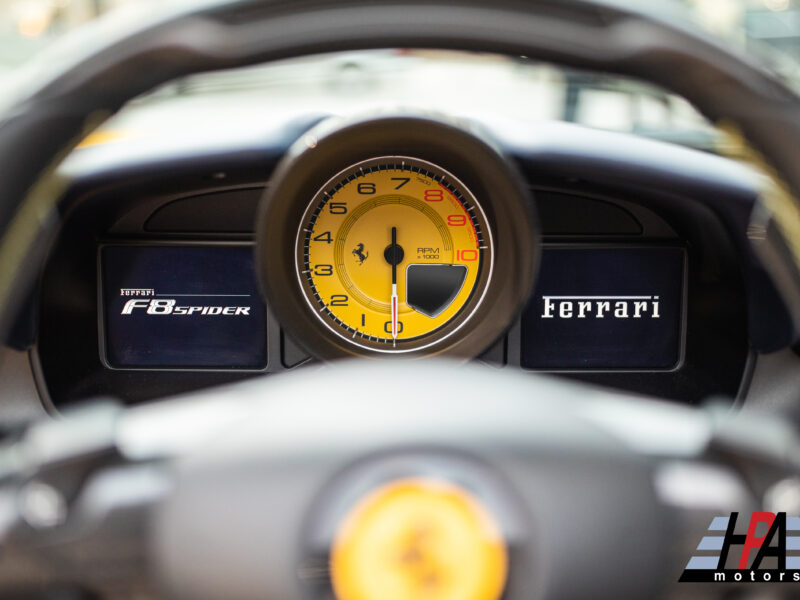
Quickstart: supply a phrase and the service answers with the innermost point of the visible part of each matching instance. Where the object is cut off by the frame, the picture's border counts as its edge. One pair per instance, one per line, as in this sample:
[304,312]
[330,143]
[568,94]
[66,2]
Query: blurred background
[767,30]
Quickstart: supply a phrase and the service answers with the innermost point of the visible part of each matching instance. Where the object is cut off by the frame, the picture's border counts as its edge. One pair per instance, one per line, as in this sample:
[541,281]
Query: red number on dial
[456,220]
[467,255]
[434,195]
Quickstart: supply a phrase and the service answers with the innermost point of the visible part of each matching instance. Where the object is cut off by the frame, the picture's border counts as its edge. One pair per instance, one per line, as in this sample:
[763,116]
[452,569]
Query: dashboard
[616,260]
[257,249]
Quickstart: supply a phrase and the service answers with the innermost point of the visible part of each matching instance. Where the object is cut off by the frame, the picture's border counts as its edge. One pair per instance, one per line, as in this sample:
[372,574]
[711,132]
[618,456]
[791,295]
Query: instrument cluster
[391,237]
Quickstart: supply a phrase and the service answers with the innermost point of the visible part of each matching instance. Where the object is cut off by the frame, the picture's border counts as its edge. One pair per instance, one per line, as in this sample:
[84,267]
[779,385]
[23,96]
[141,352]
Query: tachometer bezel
[336,144]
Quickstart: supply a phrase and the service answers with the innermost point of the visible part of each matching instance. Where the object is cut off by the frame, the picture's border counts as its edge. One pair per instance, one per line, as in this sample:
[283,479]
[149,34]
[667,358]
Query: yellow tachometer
[391,251]
[396,236]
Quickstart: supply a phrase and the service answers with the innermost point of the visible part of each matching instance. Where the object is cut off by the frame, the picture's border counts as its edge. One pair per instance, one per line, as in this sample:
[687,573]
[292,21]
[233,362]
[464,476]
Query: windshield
[516,87]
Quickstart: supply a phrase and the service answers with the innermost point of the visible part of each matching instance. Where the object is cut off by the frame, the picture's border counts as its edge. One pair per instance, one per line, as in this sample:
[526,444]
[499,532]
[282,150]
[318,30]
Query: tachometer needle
[394,313]
[394,286]
[394,256]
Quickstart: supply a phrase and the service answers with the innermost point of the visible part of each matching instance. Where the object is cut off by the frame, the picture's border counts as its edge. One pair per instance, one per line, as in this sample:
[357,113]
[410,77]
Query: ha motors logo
[763,548]
[170,306]
[600,307]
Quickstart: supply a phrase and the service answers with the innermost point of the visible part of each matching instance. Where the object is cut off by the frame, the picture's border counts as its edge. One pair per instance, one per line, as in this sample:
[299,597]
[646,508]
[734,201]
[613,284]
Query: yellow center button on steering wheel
[419,539]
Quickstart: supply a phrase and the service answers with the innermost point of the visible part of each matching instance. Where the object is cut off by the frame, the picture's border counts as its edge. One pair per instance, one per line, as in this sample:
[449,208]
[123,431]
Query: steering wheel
[237,493]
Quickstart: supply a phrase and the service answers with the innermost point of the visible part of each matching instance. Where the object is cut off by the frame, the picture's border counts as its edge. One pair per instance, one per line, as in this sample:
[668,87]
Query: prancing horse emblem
[360,255]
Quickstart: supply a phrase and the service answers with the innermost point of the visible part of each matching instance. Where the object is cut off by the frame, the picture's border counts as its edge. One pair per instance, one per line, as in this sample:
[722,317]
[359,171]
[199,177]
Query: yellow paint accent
[369,221]
[419,539]
[107,136]
[775,192]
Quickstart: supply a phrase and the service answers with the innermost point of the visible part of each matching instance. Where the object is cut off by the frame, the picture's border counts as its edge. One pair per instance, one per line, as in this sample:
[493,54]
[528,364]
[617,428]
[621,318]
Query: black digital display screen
[182,306]
[605,308]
